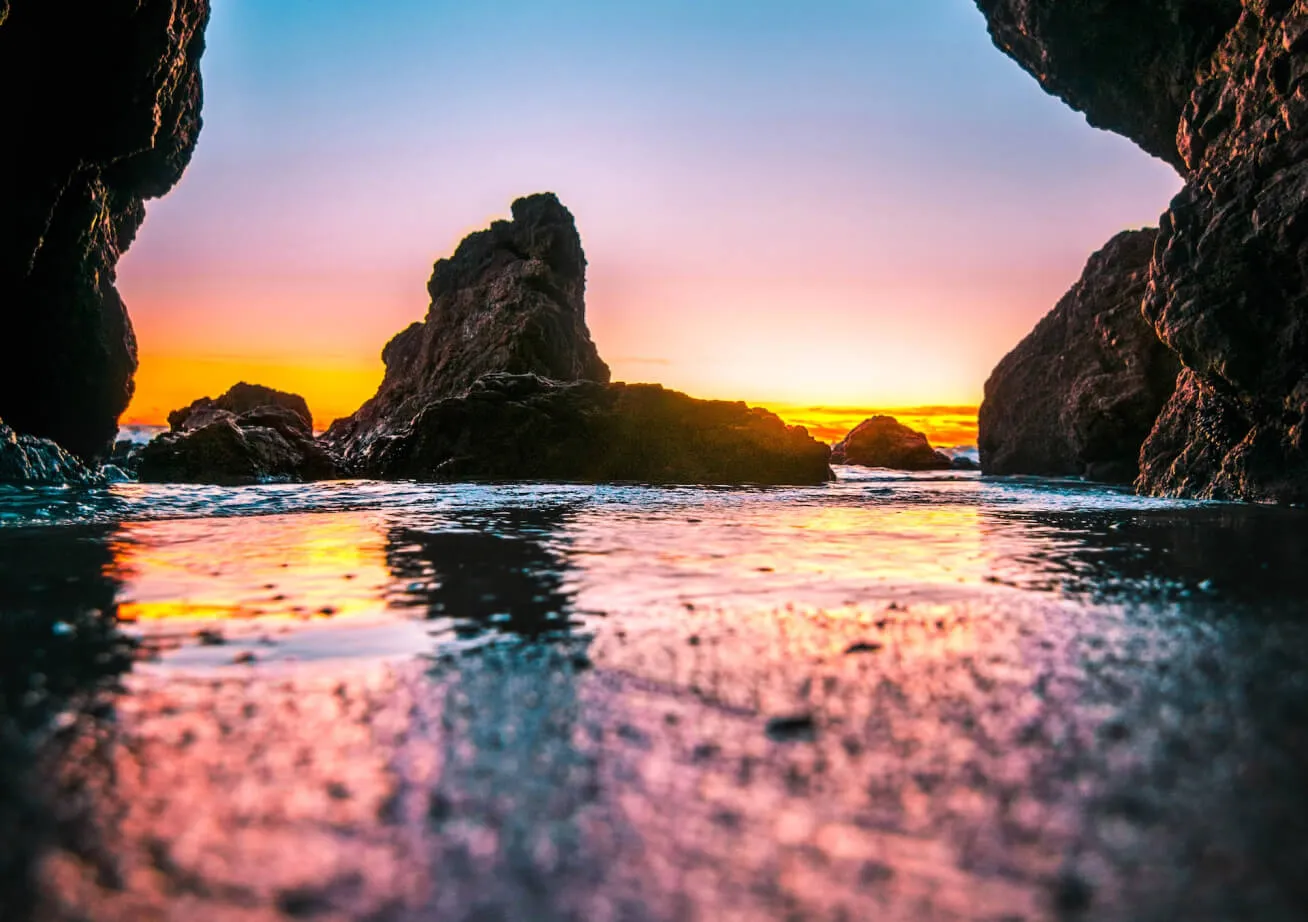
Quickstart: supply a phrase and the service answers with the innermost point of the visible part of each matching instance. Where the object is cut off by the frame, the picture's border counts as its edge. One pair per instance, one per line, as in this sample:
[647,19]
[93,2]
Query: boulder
[25,459]
[1080,394]
[883,441]
[251,434]
[510,300]
[101,111]
[1228,284]
[525,427]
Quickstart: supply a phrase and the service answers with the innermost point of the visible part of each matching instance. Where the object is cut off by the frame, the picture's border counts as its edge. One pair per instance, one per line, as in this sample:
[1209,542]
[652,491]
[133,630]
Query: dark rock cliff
[510,300]
[1227,288]
[1079,395]
[100,111]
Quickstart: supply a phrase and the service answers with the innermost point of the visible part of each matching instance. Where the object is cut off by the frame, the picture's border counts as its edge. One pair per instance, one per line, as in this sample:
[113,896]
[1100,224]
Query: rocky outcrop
[101,111]
[1080,394]
[524,427]
[883,441]
[251,434]
[1128,65]
[502,381]
[1228,286]
[510,300]
[25,459]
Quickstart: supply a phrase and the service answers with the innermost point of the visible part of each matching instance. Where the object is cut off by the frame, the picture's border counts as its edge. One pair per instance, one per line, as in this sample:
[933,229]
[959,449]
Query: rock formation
[1227,290]
[251,434]
[25,459]
[510,300]
[883,441]
[1079,395]
[101,110]
[502,381]
[524,427]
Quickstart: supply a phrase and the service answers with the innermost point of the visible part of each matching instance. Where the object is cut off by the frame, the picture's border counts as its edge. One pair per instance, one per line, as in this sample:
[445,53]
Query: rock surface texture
[502,381]
[251,434]
[25,459]
[528,427]
[510,300]
[883,441]
[1227,288]
[101,111]
[1079,395]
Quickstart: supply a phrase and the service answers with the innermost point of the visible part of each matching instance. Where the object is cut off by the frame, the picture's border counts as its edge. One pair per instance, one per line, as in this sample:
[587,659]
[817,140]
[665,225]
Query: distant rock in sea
[1215,88]
[25,459]
[1080,394]
[502,381]
[883,441]
[100,111]
[528,427]
[510,300]
[251,434]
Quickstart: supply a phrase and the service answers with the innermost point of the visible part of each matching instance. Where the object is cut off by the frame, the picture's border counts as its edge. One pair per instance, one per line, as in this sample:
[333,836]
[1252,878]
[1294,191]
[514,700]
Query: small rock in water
[792,728]
[210,638]
[865,646]
[243,659]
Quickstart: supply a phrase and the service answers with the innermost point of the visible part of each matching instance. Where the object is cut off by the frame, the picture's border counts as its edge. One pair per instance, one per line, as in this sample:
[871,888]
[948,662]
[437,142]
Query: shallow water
[894,696]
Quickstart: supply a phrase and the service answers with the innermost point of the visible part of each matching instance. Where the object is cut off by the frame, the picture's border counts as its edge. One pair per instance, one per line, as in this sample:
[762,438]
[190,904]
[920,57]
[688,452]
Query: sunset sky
[841,204]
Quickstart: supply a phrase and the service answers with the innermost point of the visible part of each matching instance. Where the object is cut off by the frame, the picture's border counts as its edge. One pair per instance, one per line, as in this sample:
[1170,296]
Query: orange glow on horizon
[337,388]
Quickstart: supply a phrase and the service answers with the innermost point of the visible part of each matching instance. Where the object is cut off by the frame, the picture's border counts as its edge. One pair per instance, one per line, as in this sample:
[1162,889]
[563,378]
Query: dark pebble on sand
[863,647]
[792,728]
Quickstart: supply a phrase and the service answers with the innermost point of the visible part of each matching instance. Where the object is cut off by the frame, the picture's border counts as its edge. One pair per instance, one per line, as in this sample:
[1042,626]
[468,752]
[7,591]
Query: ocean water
[891,697]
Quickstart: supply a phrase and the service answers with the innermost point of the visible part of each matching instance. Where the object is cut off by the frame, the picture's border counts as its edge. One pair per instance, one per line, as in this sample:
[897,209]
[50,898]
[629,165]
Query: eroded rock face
[251,434]
[101,111]
[1227,288]
[1128,65]
[1080,394]
[510,300]
[524,427]
[883,441]
[25,459]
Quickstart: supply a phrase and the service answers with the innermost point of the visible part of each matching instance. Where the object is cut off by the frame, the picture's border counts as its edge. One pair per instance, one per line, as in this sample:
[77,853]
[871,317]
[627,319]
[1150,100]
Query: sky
[823,207]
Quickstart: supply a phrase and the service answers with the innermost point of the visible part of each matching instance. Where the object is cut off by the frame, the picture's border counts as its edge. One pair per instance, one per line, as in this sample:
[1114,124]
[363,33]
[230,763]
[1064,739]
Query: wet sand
[892,698]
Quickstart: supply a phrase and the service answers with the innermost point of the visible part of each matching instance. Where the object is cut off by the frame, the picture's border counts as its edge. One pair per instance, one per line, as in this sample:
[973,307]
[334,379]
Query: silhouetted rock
[502,381]
[511,299]
[963,463]
[240,399]
[514,427]
[1228,287]
[101,110]
[251,434]
[1079,395]
[1128,66]
[25,459]
[883,441]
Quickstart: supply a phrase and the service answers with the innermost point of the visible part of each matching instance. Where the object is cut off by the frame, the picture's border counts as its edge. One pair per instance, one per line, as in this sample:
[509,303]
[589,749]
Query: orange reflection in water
[282,566]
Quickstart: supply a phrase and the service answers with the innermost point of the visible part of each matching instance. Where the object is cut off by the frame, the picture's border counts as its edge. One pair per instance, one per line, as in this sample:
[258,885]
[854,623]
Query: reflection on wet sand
[835,704]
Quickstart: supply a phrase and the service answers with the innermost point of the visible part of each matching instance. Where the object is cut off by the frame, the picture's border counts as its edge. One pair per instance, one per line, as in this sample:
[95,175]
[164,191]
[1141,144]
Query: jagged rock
[101,110]
[502,381]
[963,463]
[514,427]
[251,434]
[510,300]
[1228,288]
[1128,65]
[883,441]
[25,459]
[1079,395]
